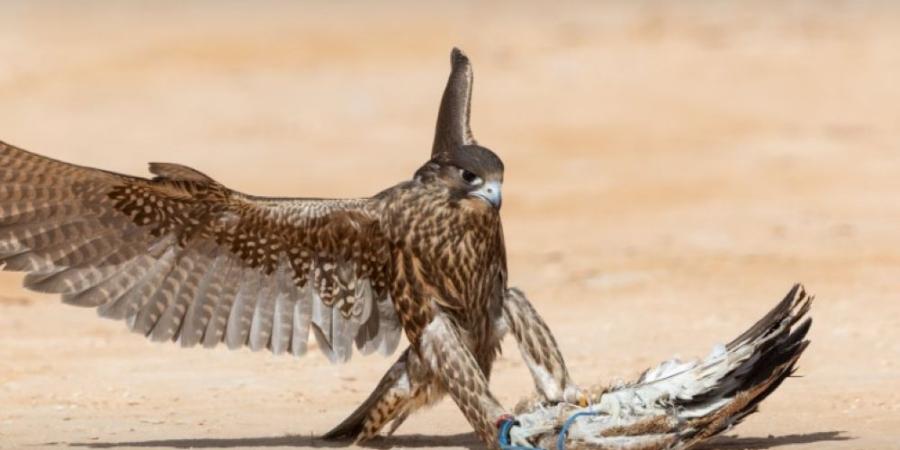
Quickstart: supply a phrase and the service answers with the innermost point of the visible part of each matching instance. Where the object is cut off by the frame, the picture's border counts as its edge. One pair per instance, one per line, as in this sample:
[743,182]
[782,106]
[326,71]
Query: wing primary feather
[170,321]
[343,331]
[233,278]
[241,315]
[164,294]
[367,337]
[303,305]
[49,256]
[390,330]
[321,320]
[125,302]
[76,283]
[261,324]
[204,302]
[284,312]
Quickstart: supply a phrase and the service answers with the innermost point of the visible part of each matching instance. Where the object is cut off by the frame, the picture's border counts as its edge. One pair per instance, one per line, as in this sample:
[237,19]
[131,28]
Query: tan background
[671,171]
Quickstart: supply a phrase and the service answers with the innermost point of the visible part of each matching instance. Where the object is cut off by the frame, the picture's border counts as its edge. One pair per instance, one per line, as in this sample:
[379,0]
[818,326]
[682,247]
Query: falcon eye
[469,177]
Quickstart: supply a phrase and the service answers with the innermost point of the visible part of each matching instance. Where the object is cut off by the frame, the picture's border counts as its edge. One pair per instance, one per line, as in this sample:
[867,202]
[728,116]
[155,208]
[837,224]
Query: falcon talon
[583,401]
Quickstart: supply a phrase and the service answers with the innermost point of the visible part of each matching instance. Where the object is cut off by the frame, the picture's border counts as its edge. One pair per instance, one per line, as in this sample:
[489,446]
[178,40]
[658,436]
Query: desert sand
[671,171]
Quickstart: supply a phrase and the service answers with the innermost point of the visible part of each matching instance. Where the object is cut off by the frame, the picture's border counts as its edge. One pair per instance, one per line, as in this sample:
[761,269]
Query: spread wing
[181,257]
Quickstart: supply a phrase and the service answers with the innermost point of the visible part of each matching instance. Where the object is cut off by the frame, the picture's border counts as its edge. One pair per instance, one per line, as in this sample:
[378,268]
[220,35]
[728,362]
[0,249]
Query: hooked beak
[489,192]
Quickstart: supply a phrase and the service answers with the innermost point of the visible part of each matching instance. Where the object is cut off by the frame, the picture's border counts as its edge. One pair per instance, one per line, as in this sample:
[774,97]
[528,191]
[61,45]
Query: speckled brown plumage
[182,257]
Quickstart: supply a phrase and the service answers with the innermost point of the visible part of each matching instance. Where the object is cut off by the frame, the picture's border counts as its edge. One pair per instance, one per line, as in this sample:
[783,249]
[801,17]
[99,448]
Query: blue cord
[507,425]
[561,440]
[504,436]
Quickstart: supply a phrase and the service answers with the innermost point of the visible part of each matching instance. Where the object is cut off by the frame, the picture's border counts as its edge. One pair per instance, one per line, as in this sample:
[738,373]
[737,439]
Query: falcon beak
[489,192]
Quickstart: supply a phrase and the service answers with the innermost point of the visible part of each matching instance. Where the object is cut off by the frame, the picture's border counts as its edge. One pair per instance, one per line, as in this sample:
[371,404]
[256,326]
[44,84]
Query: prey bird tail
[775,343]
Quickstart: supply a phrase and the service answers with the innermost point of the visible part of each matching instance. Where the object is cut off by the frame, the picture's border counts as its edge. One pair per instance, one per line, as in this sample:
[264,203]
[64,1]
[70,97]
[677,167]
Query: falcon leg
[540,351]
[406,387]
[442,346]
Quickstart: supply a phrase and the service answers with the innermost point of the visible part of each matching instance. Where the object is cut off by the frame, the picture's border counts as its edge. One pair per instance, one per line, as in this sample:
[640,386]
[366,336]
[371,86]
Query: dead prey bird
[180,257]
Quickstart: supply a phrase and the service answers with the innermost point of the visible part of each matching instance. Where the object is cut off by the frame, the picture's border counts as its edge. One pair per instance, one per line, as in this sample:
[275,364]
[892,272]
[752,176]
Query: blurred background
[671,170]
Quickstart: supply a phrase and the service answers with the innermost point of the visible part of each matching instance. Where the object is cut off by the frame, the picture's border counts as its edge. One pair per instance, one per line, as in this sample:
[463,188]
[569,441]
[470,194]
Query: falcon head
[470,171]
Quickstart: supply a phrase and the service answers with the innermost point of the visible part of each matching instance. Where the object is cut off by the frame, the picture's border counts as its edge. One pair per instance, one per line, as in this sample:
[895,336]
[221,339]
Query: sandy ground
[671,171]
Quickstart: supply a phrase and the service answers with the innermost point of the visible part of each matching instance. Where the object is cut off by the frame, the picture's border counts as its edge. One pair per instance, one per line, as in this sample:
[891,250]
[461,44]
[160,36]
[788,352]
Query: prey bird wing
[182,257]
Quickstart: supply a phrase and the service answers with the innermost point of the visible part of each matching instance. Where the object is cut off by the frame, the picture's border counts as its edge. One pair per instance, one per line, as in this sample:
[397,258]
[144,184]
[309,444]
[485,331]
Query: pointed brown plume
[452,128]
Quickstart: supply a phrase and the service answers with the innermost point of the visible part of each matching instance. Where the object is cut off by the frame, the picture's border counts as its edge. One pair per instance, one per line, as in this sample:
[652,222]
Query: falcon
[181,257]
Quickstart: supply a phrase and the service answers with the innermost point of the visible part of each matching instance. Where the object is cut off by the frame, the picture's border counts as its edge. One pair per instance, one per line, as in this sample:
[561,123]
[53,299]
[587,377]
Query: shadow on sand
[760,443]
[467,440]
